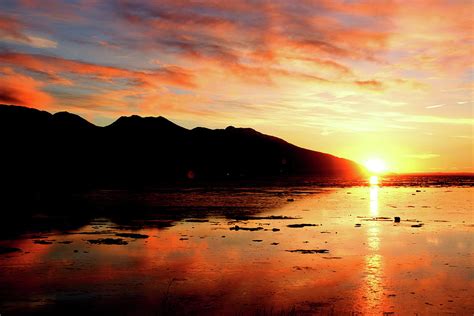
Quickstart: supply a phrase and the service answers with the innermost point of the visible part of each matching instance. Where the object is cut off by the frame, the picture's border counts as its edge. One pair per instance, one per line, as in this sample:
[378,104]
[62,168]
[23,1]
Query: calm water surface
[221,252]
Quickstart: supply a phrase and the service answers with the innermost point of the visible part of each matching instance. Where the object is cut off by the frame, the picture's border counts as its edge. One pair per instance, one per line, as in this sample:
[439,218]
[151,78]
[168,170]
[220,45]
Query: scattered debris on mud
[300,225]
[42,242]
[272,217]
[108,241]
[132,235]
[5,250]
[236,227]
[309,251]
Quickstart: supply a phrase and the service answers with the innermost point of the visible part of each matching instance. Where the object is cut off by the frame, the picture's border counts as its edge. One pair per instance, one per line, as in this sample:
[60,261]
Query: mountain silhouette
[63,150]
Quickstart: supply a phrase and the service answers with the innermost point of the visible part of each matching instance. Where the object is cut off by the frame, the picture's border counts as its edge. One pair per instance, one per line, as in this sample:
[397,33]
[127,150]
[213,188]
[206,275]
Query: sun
[376,165]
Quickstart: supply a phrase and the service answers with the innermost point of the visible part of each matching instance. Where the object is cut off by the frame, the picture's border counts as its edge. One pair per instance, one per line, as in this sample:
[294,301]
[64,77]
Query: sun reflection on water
[373,283]
[373,286]
[374,201]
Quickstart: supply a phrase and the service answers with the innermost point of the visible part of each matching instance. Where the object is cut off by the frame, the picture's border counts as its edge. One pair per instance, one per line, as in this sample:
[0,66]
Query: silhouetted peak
[21,110]
[241,130]
[136,122]
[13,116]
[69,120]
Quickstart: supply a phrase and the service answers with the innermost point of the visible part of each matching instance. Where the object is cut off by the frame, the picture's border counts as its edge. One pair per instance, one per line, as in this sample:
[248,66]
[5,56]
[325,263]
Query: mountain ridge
[135,150]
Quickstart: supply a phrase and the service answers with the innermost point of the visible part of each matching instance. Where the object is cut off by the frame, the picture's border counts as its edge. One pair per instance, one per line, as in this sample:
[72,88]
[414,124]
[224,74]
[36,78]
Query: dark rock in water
[246,228]
[184,238]
[196,220]
[417,225]
[418,190]
[274,243]
[246,218]
[76,251]
[131,235]
[290,200]
[66,242]
[275,229]
[257,240]
[4,250]
[43,242]
[38,237]
[377,218]
[396,219]
[357,225]
[108,241]
[309,251]
[101,232]
[300,225]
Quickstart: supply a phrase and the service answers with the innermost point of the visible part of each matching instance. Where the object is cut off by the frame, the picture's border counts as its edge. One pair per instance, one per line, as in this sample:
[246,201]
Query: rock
[417,225]
[274,243]
[300,225]
[377,218]
[290,200]
[42,242]
[309,251]
[275,229]
[246,228]
[357,225]
[273,217]
[197,220]
[257,240]
[131,235]
[4,250]
[108,241]
[396,219]
[66,242]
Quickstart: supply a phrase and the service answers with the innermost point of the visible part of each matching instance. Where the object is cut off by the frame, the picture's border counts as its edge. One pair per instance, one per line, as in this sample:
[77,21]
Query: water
[192,262]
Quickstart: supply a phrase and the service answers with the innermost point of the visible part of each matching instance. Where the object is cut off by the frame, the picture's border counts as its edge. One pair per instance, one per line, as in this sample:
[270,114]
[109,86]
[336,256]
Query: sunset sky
[358,79]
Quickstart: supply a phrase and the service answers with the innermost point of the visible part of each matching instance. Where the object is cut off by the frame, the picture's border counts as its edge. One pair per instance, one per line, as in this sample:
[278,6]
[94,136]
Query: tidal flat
[258,251]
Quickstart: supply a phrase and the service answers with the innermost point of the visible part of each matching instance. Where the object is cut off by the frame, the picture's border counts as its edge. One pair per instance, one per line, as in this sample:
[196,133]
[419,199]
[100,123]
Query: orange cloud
[22,90]
[374,84]
[53,67]
[12,28]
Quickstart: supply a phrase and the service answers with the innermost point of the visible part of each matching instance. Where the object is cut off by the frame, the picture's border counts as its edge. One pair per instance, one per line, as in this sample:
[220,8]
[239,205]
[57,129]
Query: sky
[362,80]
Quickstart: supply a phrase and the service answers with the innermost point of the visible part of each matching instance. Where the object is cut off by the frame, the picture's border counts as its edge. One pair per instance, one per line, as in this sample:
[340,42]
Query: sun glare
[374,180]
[376,165]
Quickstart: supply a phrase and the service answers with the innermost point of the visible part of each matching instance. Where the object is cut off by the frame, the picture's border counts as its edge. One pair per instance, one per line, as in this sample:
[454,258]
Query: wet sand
[351,258]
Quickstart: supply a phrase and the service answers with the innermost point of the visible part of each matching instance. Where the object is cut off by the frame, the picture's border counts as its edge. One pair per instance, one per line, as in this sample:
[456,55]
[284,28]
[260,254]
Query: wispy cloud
[434,106]
[423,156]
